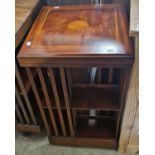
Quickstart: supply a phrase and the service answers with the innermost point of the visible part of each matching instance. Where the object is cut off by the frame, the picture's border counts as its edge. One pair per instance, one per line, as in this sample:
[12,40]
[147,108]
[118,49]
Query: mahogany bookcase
[83,57]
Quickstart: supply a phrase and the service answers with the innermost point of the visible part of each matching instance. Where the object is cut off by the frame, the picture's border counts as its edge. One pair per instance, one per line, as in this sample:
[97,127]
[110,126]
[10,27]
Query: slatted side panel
[26,119]
[57,100]
[52,95]
[27,101]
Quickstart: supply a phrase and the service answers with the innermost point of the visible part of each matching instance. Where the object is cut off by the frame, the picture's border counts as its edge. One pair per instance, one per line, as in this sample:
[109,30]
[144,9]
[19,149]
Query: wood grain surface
[77,31]
[80,36]
[129,132]
[24,12]
[129,138]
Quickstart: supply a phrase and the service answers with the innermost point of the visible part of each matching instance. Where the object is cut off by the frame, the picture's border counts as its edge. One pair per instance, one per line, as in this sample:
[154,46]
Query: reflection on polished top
[78,30]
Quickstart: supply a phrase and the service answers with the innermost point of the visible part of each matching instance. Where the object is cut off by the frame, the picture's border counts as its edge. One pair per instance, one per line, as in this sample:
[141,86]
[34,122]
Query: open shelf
[95,128]
[95,98]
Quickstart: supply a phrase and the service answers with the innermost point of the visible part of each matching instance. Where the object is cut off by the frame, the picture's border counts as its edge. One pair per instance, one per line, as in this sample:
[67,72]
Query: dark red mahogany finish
[83,57]
[77,33]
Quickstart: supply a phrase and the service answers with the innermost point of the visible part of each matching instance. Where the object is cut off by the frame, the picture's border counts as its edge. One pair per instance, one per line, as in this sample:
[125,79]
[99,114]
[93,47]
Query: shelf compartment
[103,128]
[95,98]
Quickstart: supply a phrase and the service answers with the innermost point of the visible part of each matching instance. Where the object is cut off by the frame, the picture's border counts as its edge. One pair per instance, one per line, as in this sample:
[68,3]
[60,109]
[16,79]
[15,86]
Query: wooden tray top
[85,31]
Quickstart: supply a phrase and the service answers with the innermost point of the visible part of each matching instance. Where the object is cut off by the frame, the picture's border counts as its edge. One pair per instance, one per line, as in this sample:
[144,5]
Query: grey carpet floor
[34,144]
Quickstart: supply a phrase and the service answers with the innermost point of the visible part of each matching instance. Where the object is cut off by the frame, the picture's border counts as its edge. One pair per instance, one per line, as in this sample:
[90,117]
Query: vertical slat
[16,119]
[63,80]
[110,77]
[19,114]
[99,75]
[21,104]
[38,100]
[74,117]
[69,79]
[47,100]
[20,83]
[57,101]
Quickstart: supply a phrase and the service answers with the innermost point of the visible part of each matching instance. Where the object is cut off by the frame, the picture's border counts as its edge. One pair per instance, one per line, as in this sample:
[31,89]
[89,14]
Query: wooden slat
[21,104]
[110,77]
[99,77]
[20,83]
[16,119]
[19,114]
[63,80]
[57,101]
[38,100]
[74,117]
[69,79]
[48,102]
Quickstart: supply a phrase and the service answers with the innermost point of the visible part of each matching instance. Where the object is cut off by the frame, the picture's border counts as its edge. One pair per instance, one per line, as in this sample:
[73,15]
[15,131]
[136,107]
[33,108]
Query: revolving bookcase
[82,56]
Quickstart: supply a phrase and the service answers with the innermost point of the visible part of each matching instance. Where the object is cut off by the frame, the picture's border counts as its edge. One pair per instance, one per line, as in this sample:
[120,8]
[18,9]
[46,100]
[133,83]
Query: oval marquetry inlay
[78,25]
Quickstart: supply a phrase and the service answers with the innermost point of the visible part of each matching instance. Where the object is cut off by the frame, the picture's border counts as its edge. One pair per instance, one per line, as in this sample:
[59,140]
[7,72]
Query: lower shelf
[103,128]
[90,131]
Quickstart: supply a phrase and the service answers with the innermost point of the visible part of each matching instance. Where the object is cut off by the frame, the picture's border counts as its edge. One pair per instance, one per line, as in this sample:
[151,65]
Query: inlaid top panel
[84,30]
[78,27]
